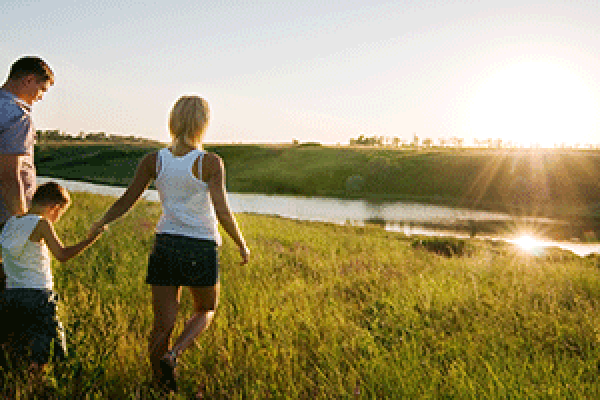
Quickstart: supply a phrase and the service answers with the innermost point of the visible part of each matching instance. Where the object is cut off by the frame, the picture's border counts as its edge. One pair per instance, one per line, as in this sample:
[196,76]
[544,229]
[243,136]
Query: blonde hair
[188,120]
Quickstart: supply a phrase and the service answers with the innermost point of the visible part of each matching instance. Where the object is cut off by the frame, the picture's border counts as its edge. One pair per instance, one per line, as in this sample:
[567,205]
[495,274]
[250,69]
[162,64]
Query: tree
[415,142]
[456,141]
[397,142]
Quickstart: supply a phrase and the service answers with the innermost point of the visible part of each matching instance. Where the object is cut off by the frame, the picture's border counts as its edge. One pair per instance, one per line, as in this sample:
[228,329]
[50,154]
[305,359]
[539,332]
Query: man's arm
[11,185]
[12,192]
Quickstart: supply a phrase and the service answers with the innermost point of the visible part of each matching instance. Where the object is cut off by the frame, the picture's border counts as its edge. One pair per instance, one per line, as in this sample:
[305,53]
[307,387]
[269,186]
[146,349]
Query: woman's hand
[245,253]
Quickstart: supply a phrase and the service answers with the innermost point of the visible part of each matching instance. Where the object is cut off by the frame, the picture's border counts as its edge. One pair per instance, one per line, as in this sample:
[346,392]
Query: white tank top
[186,203]
[27,264]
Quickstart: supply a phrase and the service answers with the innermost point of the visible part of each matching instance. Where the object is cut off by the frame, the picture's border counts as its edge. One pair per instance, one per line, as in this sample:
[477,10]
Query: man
[29,78]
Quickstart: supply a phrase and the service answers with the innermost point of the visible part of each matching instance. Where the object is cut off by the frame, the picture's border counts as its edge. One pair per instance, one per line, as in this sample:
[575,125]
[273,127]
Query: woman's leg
[165,303]
[205,304]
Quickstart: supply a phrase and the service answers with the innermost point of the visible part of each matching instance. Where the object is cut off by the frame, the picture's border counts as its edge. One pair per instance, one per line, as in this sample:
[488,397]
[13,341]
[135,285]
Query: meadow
[328,311]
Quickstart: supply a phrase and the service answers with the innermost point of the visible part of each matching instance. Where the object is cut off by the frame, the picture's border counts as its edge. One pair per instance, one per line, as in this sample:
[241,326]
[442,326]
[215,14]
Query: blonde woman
[191,186]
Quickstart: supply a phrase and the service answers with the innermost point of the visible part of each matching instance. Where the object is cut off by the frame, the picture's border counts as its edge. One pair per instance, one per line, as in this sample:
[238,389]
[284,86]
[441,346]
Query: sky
[328,71]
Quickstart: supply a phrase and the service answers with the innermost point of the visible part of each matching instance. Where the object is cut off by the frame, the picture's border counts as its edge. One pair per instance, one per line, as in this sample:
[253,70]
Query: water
[408,218]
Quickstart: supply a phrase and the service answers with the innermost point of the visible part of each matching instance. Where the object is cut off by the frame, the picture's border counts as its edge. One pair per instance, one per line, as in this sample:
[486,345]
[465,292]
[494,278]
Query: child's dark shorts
[183,261]
[31,326]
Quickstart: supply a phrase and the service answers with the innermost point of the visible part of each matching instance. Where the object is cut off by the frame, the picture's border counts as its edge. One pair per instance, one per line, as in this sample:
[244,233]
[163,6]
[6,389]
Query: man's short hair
[51,193]
[31,65]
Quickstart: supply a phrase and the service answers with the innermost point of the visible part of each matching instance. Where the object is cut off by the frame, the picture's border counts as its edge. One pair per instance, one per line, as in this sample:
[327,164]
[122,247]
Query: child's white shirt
[27,264]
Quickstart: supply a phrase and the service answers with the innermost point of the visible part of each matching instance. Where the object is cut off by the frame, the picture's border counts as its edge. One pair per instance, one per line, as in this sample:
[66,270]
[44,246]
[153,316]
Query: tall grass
[327,311]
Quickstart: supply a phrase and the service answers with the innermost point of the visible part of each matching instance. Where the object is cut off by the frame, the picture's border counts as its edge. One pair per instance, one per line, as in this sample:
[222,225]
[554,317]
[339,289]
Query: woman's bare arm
[213,167]
[146,171]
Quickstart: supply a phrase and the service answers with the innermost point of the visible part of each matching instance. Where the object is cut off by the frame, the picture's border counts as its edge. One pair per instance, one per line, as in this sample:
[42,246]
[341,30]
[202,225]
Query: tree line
[45,136]
[55,135]
[454,142]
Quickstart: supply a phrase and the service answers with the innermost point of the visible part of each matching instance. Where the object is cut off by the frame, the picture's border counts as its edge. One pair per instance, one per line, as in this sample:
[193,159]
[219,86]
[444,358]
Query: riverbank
[519,182]
[328,311]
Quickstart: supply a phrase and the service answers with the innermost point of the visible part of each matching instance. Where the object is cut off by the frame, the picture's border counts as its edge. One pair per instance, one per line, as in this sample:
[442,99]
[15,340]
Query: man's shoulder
[7,98]
[9,108]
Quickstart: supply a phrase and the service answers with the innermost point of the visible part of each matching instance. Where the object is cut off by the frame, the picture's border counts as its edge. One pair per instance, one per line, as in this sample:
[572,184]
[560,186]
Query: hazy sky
[325,71]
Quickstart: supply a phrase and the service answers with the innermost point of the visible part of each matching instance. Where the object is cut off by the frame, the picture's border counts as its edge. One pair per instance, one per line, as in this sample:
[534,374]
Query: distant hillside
[549,182]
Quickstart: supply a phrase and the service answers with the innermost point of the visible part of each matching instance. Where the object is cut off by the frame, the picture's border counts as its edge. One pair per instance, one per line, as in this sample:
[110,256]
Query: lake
[408,218]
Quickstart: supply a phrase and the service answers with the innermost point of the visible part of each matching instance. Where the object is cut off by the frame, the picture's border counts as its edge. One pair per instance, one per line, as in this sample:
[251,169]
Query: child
[28,305]
[191,185]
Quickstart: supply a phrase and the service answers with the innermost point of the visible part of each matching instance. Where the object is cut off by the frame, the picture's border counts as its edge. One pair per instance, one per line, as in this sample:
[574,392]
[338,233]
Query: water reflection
[536,246]
[407,218]
[532,245]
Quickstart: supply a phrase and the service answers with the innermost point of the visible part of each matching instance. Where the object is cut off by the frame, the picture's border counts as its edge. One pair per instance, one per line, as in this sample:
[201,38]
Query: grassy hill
[541,182]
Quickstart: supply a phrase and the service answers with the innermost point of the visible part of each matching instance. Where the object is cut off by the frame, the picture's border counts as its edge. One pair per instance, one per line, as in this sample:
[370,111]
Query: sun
[535,103]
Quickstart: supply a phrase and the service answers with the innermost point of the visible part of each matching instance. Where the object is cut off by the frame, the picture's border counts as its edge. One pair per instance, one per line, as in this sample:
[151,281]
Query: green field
[328,312]
[522,182]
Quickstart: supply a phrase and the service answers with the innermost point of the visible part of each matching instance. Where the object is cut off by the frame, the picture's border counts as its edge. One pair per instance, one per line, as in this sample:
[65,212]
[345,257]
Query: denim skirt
[178,260]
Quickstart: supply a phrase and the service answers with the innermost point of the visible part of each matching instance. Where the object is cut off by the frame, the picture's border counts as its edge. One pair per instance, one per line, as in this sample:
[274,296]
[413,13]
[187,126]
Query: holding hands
[96,230]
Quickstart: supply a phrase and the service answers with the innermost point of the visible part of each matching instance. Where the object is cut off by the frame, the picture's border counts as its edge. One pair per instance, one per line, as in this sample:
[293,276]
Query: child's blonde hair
[51,193]
[188,120]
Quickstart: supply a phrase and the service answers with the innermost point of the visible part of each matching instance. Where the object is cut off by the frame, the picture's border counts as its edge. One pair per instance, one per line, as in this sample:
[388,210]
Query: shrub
[446,247]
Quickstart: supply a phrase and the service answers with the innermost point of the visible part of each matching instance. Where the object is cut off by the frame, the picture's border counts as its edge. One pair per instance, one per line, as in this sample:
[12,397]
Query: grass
[326,311]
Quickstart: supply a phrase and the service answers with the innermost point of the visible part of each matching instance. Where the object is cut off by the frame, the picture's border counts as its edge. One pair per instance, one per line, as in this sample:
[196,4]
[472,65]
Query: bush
[310,144]
[444,247]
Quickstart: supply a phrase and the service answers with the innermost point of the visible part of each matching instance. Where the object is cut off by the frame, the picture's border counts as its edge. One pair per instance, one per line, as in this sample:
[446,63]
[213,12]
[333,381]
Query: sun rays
[528,183]
[550,193]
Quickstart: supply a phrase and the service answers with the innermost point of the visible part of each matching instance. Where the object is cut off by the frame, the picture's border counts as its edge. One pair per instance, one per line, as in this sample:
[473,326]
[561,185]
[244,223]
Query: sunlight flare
[530,244]
[527,242]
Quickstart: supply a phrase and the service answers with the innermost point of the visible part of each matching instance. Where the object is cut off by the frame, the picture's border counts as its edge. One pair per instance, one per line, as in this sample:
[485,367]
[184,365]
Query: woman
[191,186]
